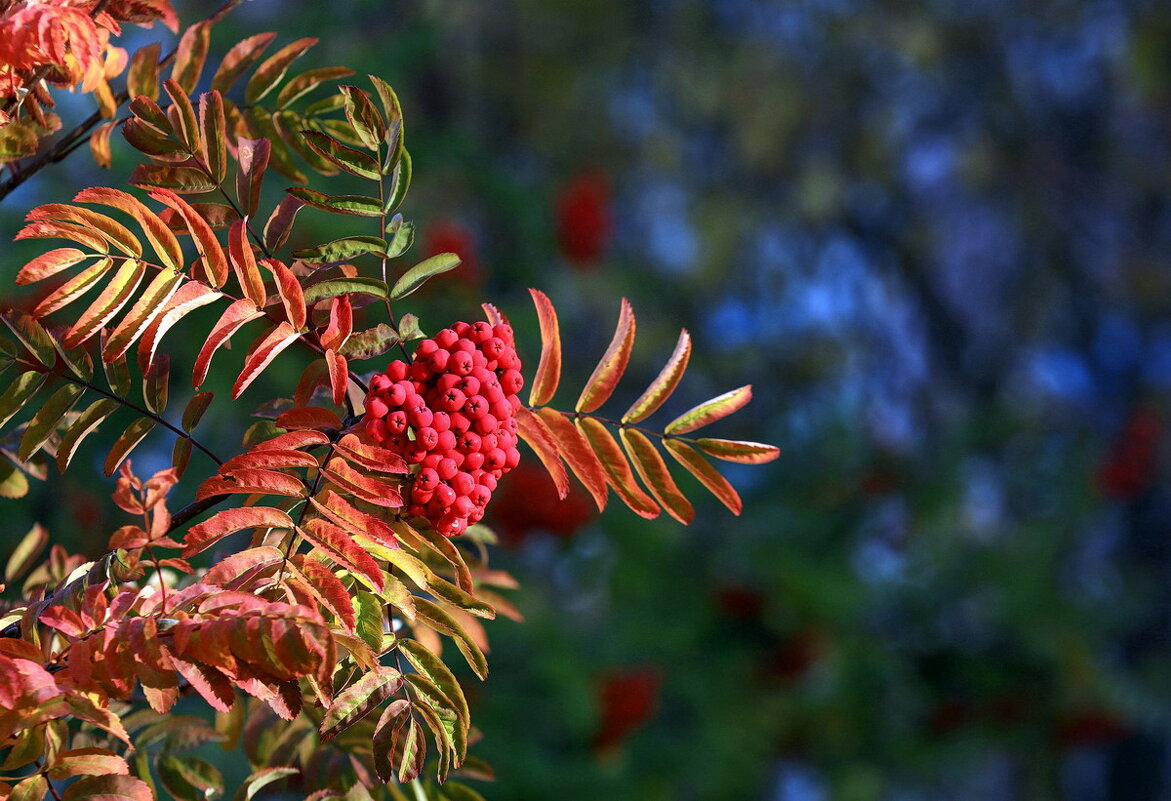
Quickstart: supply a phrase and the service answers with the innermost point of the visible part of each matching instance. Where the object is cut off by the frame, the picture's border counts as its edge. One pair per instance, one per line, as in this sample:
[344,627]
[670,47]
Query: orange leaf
[72,289]
[289,288]
[710,411]
[613,364]
[113,297]
[213,148]
[161,238]
[215,263]
[262,353]
[222,524]
[706,474]
[44,229]
[735,451]
[187,299]
[651,468]
[233,318]
[244,263]
[576,452]
[111,230]
[618,473]
[229,569]
[533,431]
[146,309]
[48,264]
[664,384]
[549,368]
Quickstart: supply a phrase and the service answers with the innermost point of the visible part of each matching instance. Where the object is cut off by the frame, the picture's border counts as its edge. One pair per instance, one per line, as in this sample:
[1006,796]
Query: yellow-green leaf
[653,471]
[710,411]
[605,377]
[664,384]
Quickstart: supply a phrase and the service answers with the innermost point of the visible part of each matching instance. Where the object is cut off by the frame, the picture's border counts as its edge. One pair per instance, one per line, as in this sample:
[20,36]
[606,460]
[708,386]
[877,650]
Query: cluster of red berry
[452,412]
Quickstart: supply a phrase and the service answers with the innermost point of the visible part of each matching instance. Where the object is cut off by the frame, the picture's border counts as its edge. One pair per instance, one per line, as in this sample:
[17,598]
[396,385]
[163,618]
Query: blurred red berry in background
[445,235]
[626,699]
[585,219]
[1130,466]
[526,502]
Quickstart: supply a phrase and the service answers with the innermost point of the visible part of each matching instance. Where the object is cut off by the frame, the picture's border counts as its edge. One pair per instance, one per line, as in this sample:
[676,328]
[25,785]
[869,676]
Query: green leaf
[126,443]
[189,778]
[18,393]
[46,419]
[369,609]
[85,424]
[415,277]
[342,249]
[434,668]
[358,205]
[364,118]
[355,162]
[32,335]
[307,81]
[26,553]
[260,779]
[403,236]
[357,700]
[438,619]
[400,182]
[270,73]
[334,287]
[368,344]
[710,411]
[735,451]
[461,792]
[195,409]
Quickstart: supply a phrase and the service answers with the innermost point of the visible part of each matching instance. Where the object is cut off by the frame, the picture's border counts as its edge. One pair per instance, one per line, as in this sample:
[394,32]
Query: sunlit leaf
[664,384]
[612,365]
[706,474]
[130,439]
[549,368]
[415,277]
[735,451]
[651,468]
[618,472]
[710,411]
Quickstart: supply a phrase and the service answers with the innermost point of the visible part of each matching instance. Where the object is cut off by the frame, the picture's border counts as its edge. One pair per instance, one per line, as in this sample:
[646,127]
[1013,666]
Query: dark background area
[933,236]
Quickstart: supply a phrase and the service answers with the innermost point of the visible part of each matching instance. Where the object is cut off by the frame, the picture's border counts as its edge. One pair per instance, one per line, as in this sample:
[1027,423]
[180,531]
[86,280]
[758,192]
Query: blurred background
[933,237]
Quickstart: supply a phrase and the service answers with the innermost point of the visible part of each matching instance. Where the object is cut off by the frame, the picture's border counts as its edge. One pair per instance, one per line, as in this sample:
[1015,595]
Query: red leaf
[269,459]
[308,417]
[371,457]
[244,263]
[613,364]
[549,369]
[202,536]
[368,489]
[252,482]
[340,326]
[325,582]
[339,374]
[289,289]
[340,546]
[153,302]
[576,452]
[533,431]
[252,157]
[231,568]
[237,61]
[293,440]
[233,318]
[261,355]
[350,518]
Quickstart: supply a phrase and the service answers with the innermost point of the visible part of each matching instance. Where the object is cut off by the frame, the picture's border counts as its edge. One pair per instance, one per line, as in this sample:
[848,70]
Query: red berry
[421,417]
[380,383]
[476,407]
[446,338]
[447,468]
[439,360]
[462,506]
[445,494]
[376,407]
[512,381]
[487,424]
[396,422]
[427,437]
[460,422]
[376,429]
[445,442]
[473,461]
[426,348]
[397,370]
[453,400]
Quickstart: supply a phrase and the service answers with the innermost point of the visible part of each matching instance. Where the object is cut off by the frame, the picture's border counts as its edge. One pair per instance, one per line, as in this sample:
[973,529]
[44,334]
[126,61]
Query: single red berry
[426,348]
[439,360]
[427,437]
[447,468]
[441,421]
[445,494]
[476,407]
[512,381]
[469,442]
[421,371]
[495,459]
[446,338]
[453,400]
[460,422]
[462,506]
[473,460]
[398,370]
[396,422]
[487,424]
[380,383]
[376,407]
[463,483]
[420,417]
